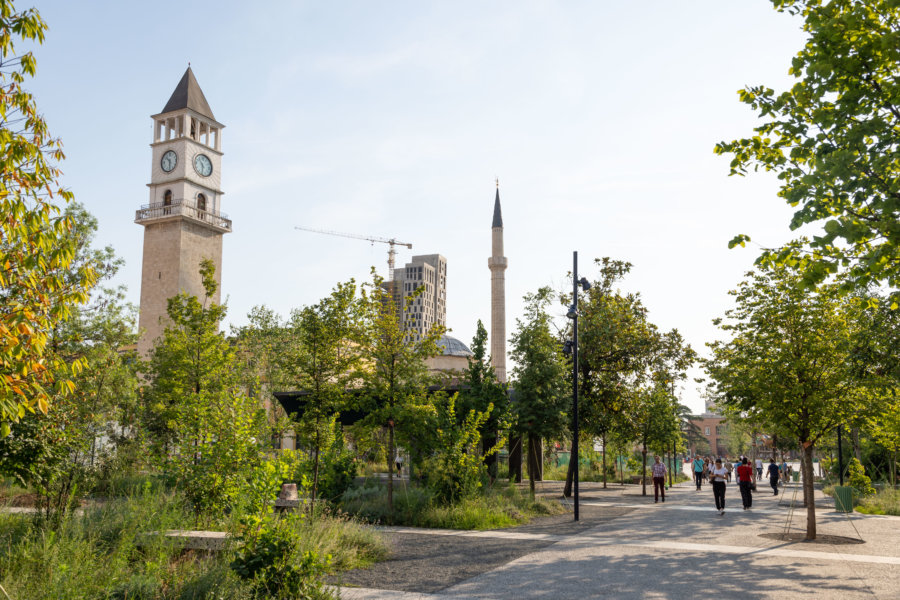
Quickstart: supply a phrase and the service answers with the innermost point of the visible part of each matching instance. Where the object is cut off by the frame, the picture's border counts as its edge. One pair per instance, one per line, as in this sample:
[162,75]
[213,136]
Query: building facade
[712,429]
[183,223]
[429,307]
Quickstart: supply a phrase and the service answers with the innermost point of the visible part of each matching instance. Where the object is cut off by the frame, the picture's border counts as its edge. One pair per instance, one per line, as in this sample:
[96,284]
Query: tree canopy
[38,286]
[833,138]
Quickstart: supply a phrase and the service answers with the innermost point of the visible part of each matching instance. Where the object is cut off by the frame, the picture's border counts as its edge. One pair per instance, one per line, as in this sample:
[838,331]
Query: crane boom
[392,242]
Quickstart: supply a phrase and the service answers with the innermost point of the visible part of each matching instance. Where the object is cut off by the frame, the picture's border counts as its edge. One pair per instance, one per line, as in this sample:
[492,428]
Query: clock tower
[183,223]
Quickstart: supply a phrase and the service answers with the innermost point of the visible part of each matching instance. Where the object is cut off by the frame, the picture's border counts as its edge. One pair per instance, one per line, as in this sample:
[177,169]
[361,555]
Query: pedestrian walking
[659,480]
[719,473]
[698,471]
[745,481]
[759,469]
[729,467]
[773,476]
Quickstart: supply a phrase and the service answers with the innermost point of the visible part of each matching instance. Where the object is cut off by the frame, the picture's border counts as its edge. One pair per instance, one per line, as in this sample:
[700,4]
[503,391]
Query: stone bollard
[288,492]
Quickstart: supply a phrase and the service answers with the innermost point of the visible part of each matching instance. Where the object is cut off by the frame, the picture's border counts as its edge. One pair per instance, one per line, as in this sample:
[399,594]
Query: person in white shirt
[759,469]
[717,476]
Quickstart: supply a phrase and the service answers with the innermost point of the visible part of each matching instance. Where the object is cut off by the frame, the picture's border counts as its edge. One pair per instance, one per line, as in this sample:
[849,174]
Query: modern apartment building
[428,308]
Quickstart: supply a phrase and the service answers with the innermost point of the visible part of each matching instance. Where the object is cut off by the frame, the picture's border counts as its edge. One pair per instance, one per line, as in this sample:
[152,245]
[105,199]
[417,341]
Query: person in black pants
[773,476]
[745,479]
[717,476]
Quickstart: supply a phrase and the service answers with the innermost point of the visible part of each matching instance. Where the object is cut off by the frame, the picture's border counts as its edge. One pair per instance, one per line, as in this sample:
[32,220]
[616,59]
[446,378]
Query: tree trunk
[854,435]
[490,461]
[807,470]
[603,439]
[644,468]
[390,459]
[315,487]
[532,464]
[515,458]
[535,456]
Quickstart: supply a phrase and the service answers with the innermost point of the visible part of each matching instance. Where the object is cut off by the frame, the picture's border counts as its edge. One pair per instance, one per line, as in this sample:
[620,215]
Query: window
[201,204]
[707,433]
[167,201]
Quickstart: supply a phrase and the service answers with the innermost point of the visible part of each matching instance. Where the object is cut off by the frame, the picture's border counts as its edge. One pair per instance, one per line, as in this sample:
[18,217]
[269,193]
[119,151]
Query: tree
[833,138]
[321,356]
[207,427]
[787,363]
[542,398]
[58,453]
[38,287]
[481,390]
[616,342]
[394,373]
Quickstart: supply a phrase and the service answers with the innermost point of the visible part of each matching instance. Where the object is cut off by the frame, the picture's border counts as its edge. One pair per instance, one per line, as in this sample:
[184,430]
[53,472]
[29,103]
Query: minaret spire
[497,264]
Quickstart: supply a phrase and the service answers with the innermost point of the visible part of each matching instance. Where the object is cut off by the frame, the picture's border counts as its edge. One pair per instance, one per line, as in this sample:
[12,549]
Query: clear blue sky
[394,118]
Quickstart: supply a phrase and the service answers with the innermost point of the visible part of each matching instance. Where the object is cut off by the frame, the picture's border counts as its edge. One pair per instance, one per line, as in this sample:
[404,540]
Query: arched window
[167,202]
[201,202]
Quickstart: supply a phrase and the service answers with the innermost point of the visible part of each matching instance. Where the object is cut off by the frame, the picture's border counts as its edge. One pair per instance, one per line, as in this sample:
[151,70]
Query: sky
[393,119]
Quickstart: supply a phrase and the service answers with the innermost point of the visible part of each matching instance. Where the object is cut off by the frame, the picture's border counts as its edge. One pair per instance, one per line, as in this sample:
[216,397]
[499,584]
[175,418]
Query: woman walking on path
[718,475]
[698,471]
[745,480]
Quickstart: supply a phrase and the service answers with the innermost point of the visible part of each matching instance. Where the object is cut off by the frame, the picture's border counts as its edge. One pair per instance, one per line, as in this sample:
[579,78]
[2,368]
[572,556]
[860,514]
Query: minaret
[182,222]
[497,265]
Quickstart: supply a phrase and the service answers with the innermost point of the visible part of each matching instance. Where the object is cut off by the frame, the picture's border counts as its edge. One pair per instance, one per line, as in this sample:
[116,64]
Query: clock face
[202,165]
[169,160]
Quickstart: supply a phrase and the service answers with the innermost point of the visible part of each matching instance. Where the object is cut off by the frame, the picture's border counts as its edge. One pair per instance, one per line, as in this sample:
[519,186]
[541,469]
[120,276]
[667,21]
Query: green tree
[208,427]
[542,398]
[38,287]
[482,390]
[322,357]
[394,373]
[58,453]
[193,357]
[833,139]
[616,343]
[787,363]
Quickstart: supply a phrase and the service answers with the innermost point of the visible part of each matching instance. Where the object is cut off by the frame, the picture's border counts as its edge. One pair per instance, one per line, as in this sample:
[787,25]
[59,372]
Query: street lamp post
[573,314]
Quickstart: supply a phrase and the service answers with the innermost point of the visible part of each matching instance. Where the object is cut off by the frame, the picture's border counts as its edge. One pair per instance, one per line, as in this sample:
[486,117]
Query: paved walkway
[627,547]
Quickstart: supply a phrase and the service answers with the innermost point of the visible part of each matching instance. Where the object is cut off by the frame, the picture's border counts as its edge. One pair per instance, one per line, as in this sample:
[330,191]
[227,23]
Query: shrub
[858,479]
[272,561]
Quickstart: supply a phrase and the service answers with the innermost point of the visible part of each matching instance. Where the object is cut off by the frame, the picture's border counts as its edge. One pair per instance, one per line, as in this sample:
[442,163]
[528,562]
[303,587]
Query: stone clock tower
[182,222]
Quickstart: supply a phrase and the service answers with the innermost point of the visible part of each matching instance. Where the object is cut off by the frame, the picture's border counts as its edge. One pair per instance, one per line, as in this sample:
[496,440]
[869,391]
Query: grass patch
[885,502]
[106,552]
[503,506]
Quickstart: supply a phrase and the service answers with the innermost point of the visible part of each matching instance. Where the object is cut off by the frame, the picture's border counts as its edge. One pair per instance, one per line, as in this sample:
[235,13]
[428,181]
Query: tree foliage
[541,402]
[788,362]
[38,287]
[833,139]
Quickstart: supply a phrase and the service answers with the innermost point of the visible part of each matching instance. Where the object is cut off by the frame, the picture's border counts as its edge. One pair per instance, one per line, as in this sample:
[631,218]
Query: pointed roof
[188,94]
[498,218]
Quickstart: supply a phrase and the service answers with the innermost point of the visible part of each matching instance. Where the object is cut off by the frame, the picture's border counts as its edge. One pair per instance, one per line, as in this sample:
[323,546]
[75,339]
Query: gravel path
[422,561]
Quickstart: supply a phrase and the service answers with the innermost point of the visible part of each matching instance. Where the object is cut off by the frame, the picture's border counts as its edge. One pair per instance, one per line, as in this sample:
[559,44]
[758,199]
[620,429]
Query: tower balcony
[161,211]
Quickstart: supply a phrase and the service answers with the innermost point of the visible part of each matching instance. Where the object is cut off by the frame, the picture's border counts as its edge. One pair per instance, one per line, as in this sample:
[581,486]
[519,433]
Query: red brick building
[712,429]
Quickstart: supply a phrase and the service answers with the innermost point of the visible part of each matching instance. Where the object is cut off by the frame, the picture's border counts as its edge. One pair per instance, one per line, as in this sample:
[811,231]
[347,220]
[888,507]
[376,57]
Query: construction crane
[392,242]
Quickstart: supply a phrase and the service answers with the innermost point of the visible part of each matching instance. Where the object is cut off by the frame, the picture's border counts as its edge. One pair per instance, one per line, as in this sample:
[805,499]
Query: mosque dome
[450,346]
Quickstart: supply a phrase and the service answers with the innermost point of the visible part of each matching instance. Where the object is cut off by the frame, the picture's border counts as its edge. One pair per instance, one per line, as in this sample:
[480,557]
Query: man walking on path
[659,480]
[698,471]
[759,469]
[745,480]
[773,476]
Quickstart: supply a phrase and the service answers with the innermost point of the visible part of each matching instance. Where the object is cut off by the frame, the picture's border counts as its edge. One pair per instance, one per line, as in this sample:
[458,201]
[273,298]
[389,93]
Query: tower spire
[497,265]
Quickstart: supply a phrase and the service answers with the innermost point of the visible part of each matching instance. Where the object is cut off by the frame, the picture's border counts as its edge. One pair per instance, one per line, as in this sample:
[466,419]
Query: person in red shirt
[745,481]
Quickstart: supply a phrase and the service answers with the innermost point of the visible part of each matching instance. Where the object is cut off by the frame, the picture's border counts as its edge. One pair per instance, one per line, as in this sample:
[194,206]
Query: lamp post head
[572,313]
[584,283]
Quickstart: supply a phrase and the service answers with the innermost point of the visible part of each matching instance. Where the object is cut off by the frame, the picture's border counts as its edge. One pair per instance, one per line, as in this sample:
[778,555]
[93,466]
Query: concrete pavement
[681,548]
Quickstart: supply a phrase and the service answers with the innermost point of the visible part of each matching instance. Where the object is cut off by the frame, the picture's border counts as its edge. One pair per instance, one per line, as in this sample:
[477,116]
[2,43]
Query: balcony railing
[185,209]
